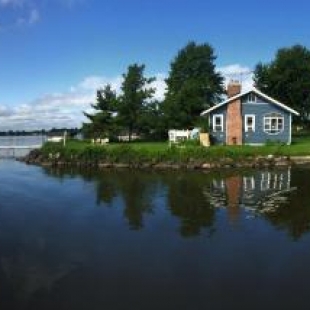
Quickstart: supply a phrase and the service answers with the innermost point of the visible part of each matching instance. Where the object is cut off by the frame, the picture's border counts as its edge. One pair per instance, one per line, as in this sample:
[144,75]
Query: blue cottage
[250,117]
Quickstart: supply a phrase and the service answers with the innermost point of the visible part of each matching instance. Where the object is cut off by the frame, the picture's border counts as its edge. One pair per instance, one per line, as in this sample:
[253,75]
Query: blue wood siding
[259,99]
[259,108]
[259,135]
[218,137]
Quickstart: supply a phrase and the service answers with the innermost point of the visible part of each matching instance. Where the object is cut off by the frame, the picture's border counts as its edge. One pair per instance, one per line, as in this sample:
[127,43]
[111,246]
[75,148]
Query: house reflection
[259,192]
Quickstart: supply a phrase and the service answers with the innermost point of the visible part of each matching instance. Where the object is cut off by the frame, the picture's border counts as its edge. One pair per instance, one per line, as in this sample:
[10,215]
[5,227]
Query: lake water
[11,141]
[154,240]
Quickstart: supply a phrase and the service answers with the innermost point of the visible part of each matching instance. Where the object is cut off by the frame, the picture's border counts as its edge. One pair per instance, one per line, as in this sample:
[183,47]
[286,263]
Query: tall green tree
[192,86]
[136,95]
[102,122]
[151,122]
[287,78]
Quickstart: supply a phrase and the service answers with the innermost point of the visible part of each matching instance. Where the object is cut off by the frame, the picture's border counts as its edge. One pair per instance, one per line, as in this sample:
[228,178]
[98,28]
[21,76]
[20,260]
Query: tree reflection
[294,216]
[44,241]
[137,191]
[106,190]
[194,197]
[186,200]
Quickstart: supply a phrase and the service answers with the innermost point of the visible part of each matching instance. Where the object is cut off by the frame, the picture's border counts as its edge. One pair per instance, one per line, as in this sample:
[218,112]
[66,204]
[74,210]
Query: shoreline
[37,158]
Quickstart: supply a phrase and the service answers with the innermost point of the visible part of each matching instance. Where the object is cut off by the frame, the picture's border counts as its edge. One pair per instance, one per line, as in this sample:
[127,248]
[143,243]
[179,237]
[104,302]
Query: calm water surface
[10,141]
[150,240]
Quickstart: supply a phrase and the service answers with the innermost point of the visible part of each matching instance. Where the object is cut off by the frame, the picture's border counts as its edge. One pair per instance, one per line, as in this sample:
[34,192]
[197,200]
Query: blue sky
[54,54]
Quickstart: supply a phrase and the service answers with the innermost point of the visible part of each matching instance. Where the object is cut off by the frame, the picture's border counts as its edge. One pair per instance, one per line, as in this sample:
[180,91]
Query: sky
[55,54]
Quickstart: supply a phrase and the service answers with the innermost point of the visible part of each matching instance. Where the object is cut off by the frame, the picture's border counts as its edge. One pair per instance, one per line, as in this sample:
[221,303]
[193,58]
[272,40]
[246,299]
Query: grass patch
[156,152]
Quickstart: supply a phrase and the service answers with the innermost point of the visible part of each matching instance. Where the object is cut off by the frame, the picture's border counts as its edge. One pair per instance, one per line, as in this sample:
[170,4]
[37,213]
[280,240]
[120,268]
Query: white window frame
[252,97]
[247,127]
[265,181]
[267,123]
[214,117]
[248,184]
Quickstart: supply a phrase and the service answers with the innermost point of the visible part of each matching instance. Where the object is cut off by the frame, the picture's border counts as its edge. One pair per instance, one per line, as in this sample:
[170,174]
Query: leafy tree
[151,121]
[136,95]
[287,78]
[102,123]
[186,201]
[193,85]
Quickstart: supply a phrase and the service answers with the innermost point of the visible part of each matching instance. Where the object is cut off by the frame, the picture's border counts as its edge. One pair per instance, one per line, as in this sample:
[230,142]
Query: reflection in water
[259,192]
[137,190]
[9,141]
[185,200]
[193,198]
[105,240]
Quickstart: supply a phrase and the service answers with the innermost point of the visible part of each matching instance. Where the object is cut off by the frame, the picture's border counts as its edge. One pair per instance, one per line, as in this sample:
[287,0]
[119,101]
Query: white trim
[214,116]
[257,92]
[266,117]
[275,101]
[290,133]
[209,122]
[226,131]
[253,97]
[255,103]
[246,127]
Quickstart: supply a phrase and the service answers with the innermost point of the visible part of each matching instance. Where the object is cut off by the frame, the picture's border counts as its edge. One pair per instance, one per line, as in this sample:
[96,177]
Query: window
[248,183]
[249,123]
[251,97]
[218,123]
[265,181]
[273,123]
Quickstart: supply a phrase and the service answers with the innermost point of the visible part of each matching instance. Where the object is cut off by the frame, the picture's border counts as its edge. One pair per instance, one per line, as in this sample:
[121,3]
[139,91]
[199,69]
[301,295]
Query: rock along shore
[35,157]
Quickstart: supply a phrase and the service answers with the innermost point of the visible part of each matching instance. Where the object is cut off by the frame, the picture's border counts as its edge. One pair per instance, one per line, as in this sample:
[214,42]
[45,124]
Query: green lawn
[300,144]
[139,152]
[151,146]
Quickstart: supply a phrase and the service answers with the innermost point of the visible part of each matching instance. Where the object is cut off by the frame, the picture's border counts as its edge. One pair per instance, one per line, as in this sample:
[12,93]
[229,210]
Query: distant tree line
[45,132]
[193,85]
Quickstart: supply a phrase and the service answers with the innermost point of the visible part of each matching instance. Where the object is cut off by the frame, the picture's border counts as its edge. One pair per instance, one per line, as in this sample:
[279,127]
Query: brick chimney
[233,88]
[234,115]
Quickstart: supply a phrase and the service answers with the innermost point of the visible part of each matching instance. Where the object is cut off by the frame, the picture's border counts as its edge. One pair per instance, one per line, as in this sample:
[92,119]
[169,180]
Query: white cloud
[92,83]
[32,18]
[238,72]
[70,3]
[11,2]
[36,2]
[27,12]
[234,69]
[63,109]
[4,111]
[19,13]
[66,109]
[160,85]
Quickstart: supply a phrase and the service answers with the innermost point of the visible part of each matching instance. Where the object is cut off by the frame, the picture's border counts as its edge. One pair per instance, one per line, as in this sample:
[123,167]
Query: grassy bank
[142,153]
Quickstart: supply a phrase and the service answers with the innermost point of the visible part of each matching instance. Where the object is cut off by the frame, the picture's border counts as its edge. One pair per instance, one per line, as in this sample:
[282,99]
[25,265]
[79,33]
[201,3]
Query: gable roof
[257,92]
